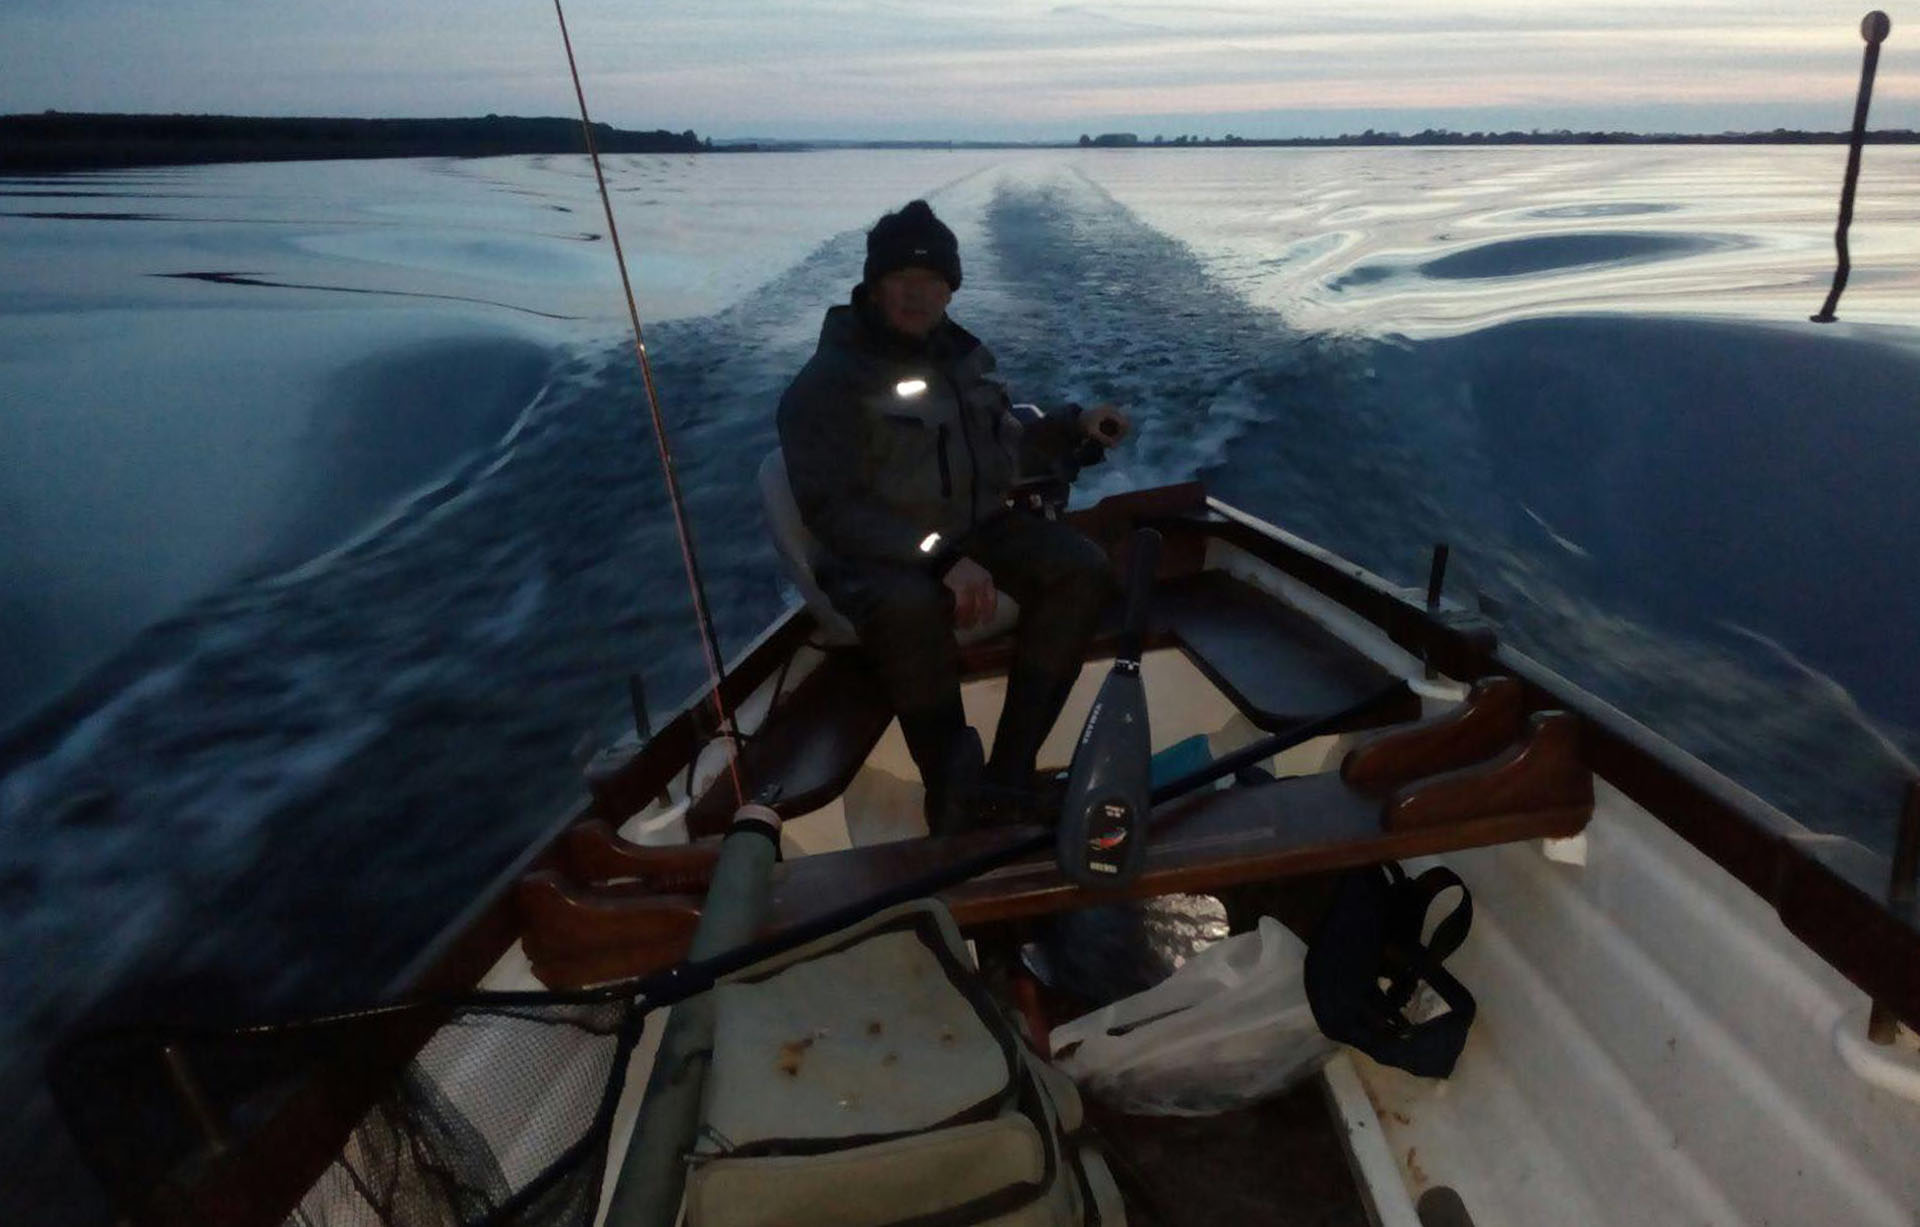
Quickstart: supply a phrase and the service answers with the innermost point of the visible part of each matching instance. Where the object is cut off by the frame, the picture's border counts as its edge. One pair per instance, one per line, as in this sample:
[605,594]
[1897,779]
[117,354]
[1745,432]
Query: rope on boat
[1874,27]
[709,643]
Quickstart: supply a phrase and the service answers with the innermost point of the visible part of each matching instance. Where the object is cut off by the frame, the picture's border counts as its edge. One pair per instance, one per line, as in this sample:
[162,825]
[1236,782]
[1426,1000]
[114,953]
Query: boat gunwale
[1823,902]
[1833,905]
[488,926]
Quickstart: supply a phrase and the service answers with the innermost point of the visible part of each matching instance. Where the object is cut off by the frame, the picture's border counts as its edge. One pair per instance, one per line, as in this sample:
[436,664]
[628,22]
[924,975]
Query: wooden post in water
[1874,27]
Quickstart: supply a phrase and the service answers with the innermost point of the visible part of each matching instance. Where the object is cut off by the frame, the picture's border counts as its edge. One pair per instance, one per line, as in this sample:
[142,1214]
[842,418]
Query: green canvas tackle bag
[869,1080]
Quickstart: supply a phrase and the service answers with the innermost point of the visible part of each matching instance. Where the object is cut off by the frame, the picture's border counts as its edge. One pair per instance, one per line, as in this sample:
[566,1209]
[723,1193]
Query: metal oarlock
[1882,1026]
[1436,576]
[637,698]
[1436,580]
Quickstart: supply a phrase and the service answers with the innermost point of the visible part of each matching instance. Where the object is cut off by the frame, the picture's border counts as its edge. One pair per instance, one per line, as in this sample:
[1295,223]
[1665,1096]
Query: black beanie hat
[912,238]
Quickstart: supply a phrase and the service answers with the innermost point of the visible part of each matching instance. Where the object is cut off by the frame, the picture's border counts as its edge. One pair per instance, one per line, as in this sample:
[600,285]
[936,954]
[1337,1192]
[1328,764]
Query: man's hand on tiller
[974,596]
[1105,424]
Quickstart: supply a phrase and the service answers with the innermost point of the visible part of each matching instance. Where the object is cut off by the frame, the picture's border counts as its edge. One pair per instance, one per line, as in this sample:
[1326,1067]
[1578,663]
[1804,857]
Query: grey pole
[1874,27]
[654,1173]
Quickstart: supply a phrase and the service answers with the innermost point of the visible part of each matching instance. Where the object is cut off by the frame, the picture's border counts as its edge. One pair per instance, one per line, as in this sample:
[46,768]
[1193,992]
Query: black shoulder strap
[1449,933]
[1406,960]
[1372,934]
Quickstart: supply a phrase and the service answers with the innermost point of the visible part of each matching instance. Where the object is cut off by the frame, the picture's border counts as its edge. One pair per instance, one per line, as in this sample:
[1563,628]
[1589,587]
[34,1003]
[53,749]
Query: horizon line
[1116,138]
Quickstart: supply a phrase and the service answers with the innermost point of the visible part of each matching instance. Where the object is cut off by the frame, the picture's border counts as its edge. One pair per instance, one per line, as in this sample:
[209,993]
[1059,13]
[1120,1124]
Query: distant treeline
[1559,136]
[54,140]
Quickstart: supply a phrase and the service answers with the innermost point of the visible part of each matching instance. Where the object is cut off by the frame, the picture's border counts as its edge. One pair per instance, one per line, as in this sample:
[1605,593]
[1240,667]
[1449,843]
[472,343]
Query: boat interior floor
[1277,1163]
[1281,1162]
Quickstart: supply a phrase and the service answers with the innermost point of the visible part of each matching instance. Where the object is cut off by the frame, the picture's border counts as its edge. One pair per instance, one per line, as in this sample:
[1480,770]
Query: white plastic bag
[1232,1026]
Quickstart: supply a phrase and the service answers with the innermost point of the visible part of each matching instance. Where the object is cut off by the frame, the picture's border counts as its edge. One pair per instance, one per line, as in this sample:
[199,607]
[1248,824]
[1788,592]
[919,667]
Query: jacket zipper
[973,458]
[946,471]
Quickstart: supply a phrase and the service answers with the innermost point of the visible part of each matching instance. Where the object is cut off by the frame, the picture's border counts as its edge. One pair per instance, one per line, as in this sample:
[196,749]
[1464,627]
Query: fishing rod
[709,641]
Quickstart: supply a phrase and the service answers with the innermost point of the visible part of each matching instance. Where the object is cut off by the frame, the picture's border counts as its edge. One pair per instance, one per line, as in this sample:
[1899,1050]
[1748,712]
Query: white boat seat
[800,553]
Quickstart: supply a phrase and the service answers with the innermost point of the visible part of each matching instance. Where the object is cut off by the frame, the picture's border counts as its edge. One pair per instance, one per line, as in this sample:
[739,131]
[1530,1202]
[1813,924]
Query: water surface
[335,532]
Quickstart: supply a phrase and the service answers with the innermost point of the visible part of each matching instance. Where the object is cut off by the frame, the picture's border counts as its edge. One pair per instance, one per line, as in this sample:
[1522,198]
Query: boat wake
[1840,697]
[1571,547]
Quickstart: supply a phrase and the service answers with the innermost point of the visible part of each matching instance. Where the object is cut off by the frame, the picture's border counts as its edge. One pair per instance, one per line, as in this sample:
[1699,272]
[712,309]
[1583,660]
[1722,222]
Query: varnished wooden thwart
[1484,725]
[1288,827]
[593,852]
[575,937]
[1543,772]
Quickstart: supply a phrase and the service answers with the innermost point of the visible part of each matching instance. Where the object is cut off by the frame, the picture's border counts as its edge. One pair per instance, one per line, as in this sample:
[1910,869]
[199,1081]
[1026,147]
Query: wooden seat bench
[1277,665]
[813,742]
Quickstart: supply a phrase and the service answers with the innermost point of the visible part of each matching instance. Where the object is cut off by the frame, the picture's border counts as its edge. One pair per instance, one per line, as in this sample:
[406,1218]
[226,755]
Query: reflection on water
[244,279]
[1341,209]
[1546,254]
[1617,208]
[1519,257]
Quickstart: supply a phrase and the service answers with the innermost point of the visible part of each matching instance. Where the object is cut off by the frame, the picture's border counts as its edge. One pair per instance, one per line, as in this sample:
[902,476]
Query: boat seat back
[801,553]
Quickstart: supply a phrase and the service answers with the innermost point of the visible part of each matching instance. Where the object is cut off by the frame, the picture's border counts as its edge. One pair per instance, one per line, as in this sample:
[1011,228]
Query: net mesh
[494,1109]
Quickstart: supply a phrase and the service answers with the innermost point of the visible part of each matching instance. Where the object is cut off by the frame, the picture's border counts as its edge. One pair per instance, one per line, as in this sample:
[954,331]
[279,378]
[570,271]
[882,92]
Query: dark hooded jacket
[887,439]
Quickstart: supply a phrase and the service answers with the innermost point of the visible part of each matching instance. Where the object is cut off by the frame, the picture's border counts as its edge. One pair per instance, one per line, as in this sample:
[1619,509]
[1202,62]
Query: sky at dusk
[991,69]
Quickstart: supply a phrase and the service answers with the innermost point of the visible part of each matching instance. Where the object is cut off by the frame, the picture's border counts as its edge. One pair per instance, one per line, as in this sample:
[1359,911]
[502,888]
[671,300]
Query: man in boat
[901,449]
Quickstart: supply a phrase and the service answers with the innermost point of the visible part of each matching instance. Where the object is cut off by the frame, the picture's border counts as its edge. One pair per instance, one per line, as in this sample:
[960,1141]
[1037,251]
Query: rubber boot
[957,808]
[948,755]
[1034,700]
